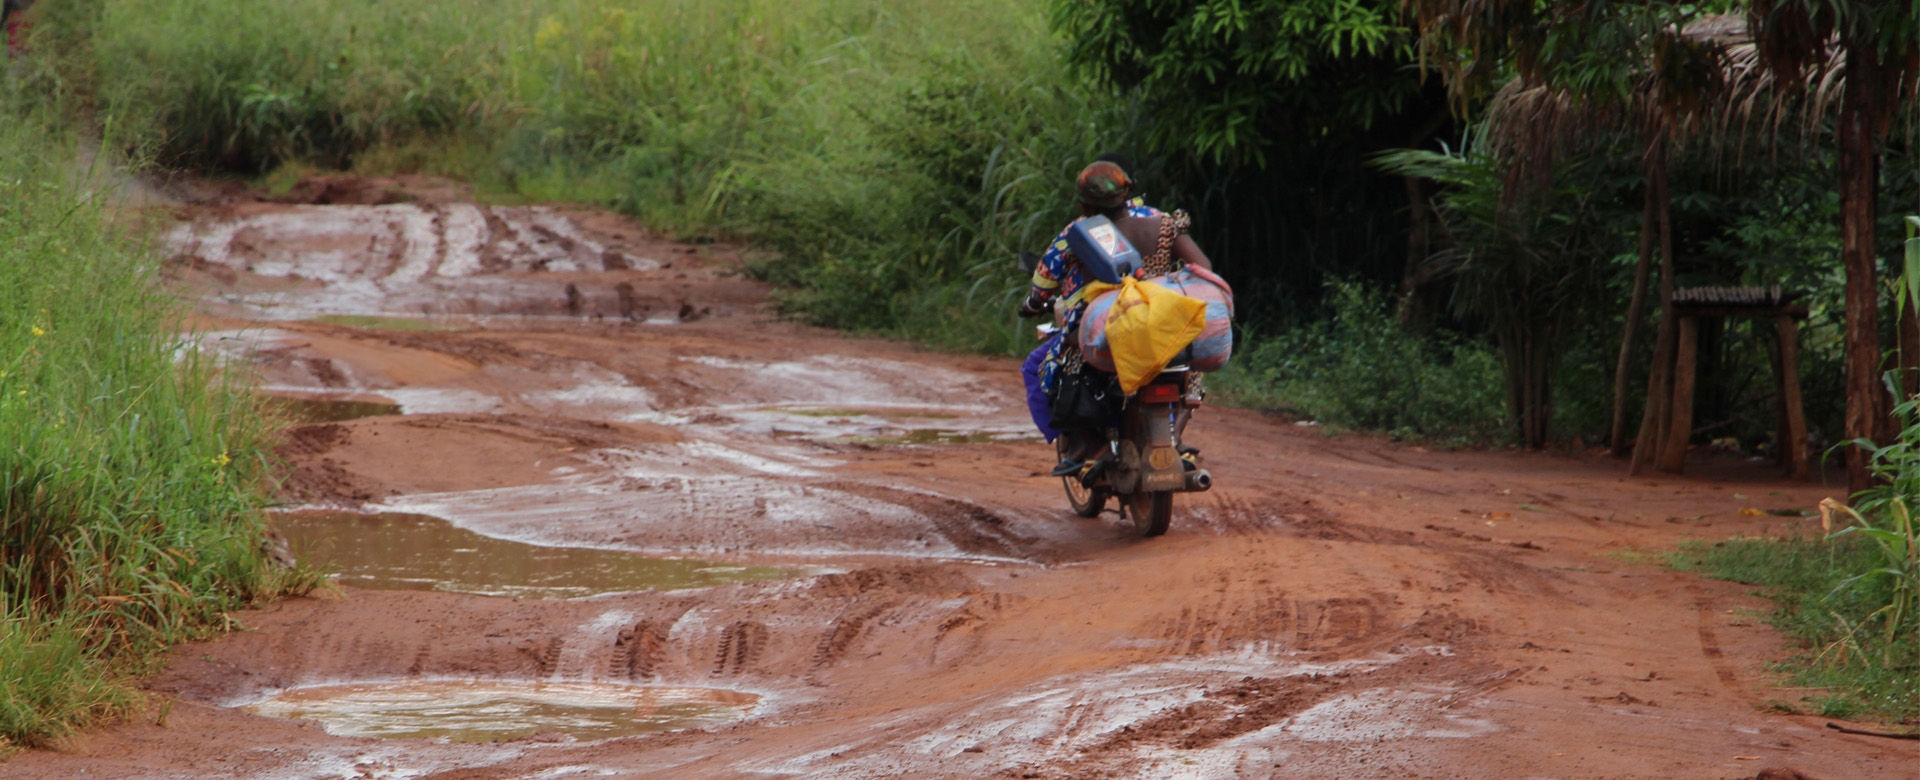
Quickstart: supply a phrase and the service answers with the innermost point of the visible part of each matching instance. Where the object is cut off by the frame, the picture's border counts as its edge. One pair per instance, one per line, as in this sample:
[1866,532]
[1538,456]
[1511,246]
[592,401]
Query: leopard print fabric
[1163,262]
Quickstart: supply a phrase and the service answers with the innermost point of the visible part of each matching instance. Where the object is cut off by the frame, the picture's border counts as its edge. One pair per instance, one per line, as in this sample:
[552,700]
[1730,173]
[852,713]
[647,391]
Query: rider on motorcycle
[1103,188]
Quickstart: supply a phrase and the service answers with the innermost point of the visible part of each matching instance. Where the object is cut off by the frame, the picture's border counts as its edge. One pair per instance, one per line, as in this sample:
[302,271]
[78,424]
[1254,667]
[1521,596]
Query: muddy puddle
[326,410]
[877,424]
[395,551]
[485,711]
[305,262]
[945,436]
[383,322]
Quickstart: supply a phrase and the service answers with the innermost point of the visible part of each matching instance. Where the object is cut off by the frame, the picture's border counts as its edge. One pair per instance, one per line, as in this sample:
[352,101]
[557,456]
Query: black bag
[1085,399]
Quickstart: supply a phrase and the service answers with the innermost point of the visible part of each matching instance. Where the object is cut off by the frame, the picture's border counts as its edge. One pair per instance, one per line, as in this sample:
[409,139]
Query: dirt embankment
[1334,608]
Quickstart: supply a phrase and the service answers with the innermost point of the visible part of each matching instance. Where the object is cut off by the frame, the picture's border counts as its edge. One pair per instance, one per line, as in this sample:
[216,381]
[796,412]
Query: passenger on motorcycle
[1103,188]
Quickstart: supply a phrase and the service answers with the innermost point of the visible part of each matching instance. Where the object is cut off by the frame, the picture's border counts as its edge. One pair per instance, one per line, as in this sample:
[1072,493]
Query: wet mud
[391,551]
[1333,608]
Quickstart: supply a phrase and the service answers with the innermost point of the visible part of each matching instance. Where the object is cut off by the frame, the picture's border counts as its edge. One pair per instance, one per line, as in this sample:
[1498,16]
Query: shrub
[1359,369]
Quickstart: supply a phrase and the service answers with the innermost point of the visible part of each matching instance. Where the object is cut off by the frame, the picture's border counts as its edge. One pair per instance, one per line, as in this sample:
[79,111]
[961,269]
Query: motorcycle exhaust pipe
[1199,481]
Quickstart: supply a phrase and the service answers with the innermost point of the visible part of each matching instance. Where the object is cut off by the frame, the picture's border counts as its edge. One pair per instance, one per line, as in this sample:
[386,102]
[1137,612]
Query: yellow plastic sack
[1148,326]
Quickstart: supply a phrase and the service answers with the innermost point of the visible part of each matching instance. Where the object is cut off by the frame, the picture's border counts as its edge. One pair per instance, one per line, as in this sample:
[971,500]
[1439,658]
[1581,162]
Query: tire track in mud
[1336,623]
[739,644]
[1246,706]
[841,635]
[970,527]
[1247,608]
[639,650]
[1710,645]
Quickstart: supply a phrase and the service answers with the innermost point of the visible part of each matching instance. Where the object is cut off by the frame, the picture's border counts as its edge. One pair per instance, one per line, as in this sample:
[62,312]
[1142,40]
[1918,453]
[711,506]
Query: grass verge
[1856,679]
[130,468]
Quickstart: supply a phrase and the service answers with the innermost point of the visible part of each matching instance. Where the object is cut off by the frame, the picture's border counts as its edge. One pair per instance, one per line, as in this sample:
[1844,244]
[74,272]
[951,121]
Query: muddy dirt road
[866,576]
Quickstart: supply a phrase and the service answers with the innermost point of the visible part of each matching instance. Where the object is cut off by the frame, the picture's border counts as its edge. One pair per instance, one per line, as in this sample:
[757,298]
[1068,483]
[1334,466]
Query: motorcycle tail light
[1160,394]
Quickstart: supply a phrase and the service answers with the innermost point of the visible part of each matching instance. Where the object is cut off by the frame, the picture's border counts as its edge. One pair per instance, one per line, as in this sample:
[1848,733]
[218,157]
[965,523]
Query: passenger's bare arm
[1189,252]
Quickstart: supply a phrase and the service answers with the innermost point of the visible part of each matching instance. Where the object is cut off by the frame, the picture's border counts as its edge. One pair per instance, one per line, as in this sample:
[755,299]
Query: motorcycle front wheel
[1151,510]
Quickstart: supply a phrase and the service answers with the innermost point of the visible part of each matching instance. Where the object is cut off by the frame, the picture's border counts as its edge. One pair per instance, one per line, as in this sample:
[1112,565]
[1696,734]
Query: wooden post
[1795,435]
[1674,457]
[1782,427]
[1653,418]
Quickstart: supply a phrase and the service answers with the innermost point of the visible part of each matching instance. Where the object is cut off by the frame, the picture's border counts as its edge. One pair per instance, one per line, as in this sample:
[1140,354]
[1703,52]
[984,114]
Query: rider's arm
[1189,252]
[1051,270]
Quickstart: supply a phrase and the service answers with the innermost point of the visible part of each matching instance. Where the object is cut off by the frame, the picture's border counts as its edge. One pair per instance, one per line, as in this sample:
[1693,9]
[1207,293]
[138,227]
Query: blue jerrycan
[1102,250]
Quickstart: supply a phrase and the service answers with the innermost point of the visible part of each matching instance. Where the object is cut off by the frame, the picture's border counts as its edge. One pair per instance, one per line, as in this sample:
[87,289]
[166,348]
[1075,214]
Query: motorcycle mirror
[1028,262]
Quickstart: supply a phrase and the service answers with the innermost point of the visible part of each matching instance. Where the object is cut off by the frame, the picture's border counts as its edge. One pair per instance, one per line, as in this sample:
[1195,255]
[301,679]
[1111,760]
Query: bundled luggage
[1209,351]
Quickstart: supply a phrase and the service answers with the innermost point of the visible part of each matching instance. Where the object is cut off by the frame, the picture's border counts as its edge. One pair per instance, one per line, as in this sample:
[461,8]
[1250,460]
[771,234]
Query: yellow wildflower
[549,30]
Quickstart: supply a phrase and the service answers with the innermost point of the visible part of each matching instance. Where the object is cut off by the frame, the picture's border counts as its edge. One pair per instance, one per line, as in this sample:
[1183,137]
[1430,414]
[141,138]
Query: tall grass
[888,158]
[128,469]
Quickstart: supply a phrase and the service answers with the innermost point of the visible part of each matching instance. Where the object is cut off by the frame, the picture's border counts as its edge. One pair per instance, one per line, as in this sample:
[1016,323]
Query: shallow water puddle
[483,711]
[418,552]
[945,436]
[326,410]
[386,322]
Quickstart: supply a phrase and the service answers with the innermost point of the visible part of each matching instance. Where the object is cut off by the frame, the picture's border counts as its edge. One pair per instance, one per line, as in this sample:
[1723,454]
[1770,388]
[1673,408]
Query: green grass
[1804,575]
[129,468]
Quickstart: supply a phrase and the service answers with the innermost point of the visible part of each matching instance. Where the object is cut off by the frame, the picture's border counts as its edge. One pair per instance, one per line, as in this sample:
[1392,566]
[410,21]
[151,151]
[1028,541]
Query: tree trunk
[1867,408]
[1415,309]
[1528,349]
[1636,311]
[1654,416]
[1413,314]
[1541,367]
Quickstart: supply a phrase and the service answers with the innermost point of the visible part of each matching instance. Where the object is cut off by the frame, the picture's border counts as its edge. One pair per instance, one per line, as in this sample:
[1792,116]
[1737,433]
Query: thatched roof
[1708,83]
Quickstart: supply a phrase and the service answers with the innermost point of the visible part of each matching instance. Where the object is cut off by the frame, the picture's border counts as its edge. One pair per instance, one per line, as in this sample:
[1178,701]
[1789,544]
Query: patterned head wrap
[1104,185]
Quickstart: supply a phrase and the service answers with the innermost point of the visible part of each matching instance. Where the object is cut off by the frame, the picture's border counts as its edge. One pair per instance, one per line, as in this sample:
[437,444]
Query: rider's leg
[1037,404]
[1082,446]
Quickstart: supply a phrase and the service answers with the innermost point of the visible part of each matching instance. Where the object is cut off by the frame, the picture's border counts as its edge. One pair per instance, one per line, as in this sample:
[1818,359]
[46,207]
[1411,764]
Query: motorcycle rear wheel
[1086,501]
[1151,510]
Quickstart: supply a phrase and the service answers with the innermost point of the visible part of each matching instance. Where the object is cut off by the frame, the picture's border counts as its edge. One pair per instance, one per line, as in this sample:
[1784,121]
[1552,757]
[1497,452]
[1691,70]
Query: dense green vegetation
[1359,369]
[130,473]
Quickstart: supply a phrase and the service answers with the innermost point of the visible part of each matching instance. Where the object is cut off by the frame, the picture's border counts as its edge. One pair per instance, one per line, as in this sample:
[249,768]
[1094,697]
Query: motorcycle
[1141,462]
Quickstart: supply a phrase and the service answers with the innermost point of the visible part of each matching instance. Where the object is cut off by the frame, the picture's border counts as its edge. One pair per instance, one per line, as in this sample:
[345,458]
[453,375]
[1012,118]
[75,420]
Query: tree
[1226,79]
[1528,268]
[1878,42]
[1565,69]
